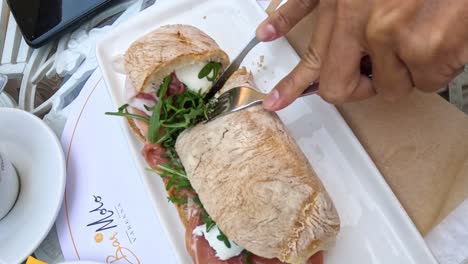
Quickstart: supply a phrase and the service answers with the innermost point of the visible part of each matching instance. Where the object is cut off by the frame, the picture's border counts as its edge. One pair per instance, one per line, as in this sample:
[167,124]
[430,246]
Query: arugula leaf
[177,200]
[197,200]
[222,237]
[123,107]
[122,112]
[172,171]
[212,68]
[216,68]
[155,123]
[248,257]
[177,113]
[207,220]
[205,71]
[161,93]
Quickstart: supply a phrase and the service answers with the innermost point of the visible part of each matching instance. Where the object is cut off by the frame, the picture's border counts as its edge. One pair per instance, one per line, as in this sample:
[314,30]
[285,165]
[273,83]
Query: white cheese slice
[222,251]
[189,76]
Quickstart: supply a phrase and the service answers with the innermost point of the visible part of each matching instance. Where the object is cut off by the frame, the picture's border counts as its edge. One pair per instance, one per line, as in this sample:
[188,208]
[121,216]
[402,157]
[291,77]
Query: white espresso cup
[9,186]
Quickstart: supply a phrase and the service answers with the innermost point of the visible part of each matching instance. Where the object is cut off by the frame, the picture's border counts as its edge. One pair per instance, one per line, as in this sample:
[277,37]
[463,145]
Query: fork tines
[221,105]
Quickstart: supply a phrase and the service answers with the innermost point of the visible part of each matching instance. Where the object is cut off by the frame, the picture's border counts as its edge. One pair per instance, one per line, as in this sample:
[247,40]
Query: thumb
[308,70]
[291,86]
[284,19]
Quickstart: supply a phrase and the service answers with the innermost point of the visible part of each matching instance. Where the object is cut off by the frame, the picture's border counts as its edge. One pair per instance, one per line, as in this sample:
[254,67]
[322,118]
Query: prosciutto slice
[142,99]
[147,96]
[176,86]
[140,124]
[153,154]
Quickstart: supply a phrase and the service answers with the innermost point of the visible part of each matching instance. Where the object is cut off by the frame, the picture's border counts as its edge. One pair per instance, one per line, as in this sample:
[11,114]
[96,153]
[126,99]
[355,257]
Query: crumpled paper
[76,59]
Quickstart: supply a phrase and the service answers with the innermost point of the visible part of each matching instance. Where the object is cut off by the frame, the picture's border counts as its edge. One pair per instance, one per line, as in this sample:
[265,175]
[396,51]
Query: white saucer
[37,155]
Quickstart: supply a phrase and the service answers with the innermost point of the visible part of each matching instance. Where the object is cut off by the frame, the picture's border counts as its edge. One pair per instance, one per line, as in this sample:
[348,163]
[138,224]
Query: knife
[235,64]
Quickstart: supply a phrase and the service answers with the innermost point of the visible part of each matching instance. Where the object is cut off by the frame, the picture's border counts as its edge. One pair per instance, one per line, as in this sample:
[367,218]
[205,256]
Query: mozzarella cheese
[189,76]
[222,252]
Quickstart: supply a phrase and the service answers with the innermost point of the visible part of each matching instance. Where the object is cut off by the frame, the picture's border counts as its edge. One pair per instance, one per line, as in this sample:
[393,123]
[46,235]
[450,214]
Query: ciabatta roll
[257,185]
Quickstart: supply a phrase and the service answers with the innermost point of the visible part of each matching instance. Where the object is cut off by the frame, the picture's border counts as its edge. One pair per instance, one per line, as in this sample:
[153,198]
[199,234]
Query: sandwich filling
[197,77]
[174,105]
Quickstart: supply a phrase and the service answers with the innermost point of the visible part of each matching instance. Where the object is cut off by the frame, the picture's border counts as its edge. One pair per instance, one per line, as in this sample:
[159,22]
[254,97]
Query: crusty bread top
[257,185]
[155,55]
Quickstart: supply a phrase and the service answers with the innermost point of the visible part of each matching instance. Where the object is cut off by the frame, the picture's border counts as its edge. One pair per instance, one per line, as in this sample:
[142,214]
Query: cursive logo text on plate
[104,216]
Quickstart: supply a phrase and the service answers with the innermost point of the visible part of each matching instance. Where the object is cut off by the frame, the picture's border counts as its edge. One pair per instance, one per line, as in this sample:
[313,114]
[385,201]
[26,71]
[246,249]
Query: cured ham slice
[176,86]
[153,154]
[140,124]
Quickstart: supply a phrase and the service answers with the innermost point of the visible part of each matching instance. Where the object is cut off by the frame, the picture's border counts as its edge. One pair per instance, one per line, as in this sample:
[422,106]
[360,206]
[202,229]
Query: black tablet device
[43,20]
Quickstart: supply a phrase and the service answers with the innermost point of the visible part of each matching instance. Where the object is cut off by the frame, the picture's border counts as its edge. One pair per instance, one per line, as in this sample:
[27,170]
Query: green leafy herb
[210,71]
[176,179]
[248,257]
[123,107]
[155,122]
[122,111]
[175,175]
[207,220]
[173,171]
[197,200]
[173,114]
[222,237]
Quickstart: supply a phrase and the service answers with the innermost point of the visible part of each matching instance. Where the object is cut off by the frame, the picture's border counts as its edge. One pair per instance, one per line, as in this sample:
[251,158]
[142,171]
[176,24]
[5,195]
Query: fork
[242,97]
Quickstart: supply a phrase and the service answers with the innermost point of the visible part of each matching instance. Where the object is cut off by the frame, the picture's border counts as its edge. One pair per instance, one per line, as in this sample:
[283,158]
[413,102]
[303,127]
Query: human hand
[420,44]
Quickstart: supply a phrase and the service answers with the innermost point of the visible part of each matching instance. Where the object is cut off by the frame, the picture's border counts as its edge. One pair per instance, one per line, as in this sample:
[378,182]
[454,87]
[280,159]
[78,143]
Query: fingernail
[271,100]
[266,32]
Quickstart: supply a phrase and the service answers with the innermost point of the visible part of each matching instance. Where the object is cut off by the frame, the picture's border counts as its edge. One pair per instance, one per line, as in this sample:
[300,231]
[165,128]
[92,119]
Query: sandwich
[243,189]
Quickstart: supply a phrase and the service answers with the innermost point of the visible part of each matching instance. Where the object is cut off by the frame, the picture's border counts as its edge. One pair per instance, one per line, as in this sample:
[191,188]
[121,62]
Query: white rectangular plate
[375,228]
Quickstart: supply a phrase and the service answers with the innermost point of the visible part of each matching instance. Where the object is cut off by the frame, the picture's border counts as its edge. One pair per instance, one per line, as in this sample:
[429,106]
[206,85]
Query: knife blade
[234,66]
